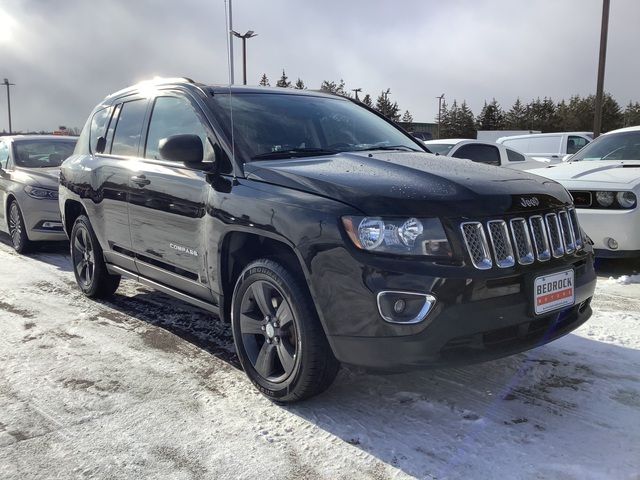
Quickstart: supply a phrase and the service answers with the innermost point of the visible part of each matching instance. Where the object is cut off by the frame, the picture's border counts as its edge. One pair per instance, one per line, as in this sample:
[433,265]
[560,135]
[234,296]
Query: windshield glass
[440,148]
[615,146]
[42,153]
[270,126]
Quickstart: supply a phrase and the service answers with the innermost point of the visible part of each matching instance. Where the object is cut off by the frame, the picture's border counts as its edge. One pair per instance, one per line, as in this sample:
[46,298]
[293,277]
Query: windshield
[271,126]
[440,148]
[614,146]
[42,153]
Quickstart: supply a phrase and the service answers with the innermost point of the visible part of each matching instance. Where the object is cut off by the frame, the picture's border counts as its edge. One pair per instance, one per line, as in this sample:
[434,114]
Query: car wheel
[88,263]
[280,342]
[17,229]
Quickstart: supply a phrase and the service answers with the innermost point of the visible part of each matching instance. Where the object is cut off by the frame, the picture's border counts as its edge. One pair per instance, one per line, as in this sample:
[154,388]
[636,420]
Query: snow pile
[624,280]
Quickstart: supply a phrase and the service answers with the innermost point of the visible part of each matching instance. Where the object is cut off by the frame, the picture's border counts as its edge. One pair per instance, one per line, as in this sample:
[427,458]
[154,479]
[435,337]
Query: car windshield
[440,148]
[269,126]
[614,146]
[42,153]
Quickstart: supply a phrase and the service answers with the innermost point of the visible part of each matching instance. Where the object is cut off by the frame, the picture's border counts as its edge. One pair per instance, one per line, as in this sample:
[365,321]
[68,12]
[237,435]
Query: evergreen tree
[407,117]
[491,117]
[299,85]
[284,81]
[466,121]
[264,81]
[367,100]
[337,88]
[386,108]
[516,118]
[632,114]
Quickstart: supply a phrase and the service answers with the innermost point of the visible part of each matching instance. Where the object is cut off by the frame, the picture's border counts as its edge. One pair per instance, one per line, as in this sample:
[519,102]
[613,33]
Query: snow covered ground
[148,387]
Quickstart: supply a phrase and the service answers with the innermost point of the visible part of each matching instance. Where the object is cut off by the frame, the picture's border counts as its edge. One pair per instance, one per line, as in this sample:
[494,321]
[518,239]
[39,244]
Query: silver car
[29,171]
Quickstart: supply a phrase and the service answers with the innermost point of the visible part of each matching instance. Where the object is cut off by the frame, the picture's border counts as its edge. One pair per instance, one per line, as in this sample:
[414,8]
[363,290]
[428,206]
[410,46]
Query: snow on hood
[599,173]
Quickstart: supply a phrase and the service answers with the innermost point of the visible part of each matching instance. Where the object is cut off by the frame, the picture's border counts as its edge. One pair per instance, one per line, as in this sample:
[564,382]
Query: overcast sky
[65,56]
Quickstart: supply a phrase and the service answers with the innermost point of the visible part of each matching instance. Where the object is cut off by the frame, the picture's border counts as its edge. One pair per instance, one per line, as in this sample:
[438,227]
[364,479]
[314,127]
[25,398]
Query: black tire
[88,262]
[291,360]
[17,229]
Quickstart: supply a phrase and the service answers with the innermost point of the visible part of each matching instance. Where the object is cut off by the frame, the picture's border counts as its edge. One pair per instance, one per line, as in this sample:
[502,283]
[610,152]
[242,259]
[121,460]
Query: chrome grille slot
[557,249]
[501,243]
[567,232]
[477,245]
[577,233]
[540,238]
[522,241]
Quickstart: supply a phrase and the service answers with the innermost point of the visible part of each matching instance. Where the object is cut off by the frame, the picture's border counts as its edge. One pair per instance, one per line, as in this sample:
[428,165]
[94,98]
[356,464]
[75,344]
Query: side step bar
[115,270]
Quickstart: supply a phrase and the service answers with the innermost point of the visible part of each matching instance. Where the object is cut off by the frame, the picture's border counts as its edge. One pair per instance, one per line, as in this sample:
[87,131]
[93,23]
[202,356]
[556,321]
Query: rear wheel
[277,333]
[88,263]
[17,229]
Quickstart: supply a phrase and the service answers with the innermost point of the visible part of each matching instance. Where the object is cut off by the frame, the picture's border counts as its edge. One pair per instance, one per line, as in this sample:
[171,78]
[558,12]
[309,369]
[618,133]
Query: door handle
[140,180]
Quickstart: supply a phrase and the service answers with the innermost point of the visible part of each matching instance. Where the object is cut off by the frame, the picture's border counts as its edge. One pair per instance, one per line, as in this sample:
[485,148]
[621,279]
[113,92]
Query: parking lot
[149,386]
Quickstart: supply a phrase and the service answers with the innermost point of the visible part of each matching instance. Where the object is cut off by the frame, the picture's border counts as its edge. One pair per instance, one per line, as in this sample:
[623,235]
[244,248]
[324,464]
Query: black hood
[416,184]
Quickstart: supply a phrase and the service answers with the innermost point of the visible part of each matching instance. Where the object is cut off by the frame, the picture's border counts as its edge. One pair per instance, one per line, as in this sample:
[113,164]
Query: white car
[604,180]
[552,146]
[483,152]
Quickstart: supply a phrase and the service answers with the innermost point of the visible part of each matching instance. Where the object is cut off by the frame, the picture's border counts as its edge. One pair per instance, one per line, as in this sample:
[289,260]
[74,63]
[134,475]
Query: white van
[552,146]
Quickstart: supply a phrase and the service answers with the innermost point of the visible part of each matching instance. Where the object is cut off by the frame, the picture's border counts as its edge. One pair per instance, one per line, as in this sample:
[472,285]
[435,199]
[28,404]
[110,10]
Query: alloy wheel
[269,333]
[83,256]
[15,225]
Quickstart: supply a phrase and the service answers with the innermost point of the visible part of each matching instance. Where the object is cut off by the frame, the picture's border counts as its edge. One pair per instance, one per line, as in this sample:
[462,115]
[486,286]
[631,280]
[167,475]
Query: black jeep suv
[324,232]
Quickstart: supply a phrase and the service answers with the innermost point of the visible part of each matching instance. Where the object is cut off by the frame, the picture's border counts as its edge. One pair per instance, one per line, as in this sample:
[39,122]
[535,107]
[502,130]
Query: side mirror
[101,144]
[184,148]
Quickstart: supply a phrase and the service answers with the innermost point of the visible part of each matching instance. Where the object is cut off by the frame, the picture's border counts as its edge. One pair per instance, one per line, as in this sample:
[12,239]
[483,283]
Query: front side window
[126,138]
[479,153]
[4,155]
[172,116]
[613,146]
[271,126]
[575,143]
[42,153]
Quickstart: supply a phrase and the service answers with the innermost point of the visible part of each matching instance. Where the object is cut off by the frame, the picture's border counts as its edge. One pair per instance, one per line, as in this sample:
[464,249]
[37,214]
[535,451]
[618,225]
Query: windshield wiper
[404,148]
[292,153]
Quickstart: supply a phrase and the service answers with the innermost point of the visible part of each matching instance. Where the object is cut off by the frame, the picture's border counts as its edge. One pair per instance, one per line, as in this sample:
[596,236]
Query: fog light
[612,244]
[404,307]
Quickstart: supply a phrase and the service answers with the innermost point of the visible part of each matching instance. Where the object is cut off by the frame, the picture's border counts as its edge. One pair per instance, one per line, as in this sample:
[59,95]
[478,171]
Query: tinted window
[550,144]
[264,125]
[42,153]
[575,143]
[4,155]
[479,153]
[129,127]
[172,116]
[613,146]
[99,124]
[514,156]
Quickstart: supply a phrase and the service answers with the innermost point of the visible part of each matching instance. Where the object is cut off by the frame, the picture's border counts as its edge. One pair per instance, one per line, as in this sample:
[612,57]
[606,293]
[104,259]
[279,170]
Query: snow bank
[624,280]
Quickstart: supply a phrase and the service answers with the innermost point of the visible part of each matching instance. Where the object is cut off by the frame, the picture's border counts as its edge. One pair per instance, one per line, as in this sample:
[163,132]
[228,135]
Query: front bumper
[620,225]
[478,315]
[42,219]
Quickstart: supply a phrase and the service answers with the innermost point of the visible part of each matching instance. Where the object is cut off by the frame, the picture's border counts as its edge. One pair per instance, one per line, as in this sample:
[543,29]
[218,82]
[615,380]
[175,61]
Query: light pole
[597,120]
[244,37]
[6,82]
[440,99]
[356,90]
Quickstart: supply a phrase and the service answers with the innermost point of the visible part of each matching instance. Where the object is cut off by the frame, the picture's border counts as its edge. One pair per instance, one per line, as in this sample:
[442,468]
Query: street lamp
[440,99]
[356,90]
[244,37]
[7,84]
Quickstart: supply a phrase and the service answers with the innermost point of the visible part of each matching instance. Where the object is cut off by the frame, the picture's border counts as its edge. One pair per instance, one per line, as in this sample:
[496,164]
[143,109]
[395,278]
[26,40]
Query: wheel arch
[72,210]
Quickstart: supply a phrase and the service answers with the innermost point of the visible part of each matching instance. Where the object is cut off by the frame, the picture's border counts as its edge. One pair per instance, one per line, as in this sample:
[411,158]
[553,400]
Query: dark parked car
[29,171]
[325,233]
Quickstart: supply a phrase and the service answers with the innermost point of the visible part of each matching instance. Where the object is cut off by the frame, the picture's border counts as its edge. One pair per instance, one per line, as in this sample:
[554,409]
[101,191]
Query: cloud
[66,56]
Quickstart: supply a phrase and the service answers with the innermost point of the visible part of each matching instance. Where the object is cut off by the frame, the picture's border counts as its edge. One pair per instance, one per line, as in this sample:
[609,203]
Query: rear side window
[99,124]
[479,153]
[126,138]
[4,155]
[514,156]
[575,143]
[172,116]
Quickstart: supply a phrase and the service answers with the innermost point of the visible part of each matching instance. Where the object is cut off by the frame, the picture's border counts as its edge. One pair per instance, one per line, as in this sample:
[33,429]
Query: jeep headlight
[405,236]
[41,193]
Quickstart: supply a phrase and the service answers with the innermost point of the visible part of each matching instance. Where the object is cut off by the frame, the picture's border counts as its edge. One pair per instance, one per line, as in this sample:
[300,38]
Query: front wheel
[17,229]
[88,263]
[277,333]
